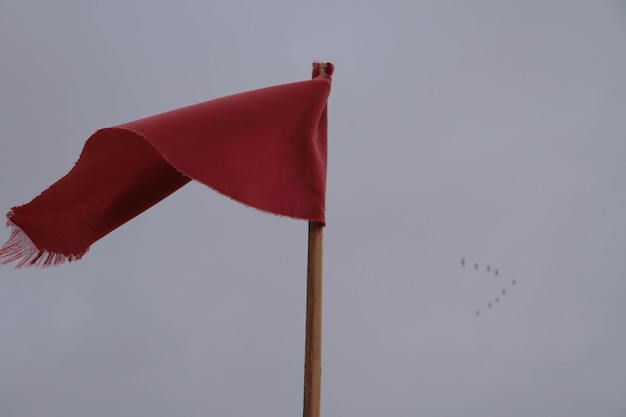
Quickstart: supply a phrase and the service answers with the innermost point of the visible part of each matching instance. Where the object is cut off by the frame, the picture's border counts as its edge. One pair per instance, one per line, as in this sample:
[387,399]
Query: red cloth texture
[264,148]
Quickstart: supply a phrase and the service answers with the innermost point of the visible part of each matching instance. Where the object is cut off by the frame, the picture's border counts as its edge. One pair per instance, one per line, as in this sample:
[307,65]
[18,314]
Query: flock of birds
[496,272]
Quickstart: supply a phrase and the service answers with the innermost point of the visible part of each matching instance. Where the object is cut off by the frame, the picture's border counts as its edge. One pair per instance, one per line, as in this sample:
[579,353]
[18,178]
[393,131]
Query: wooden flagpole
[313,340]
[313,343]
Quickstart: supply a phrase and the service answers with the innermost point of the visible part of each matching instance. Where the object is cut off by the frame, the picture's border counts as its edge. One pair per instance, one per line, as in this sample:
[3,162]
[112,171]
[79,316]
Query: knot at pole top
[322,69]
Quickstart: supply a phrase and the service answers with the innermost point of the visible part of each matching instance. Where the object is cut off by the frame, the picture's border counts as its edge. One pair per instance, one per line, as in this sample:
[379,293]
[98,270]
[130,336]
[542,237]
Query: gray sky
[489,130]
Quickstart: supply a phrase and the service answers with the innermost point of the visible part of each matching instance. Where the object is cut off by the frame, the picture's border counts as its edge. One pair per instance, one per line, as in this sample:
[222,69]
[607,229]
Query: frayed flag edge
[19,247]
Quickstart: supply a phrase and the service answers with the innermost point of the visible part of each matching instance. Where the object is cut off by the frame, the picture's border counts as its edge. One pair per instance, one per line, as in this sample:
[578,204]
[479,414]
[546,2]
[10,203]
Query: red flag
[264,148]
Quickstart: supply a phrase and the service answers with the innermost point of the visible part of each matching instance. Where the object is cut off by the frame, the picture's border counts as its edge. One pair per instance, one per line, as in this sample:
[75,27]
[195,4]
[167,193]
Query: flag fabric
[264,148]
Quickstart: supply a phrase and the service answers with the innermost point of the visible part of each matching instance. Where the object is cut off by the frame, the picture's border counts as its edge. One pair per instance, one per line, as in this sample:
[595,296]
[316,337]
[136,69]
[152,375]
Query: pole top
[322,68]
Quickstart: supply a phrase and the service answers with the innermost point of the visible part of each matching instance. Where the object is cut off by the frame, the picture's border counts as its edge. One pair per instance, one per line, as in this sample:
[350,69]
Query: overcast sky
[492,131]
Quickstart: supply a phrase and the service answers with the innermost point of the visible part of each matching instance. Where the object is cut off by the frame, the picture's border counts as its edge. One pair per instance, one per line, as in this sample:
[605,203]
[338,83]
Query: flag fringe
[19,246]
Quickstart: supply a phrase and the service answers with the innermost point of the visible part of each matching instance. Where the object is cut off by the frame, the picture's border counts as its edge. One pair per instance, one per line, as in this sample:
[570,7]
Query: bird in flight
[503,291]
[463,261]
[488,268]
[475,266]
[496,272]
[489,305]
[514,282]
